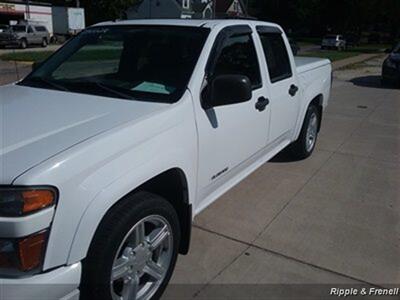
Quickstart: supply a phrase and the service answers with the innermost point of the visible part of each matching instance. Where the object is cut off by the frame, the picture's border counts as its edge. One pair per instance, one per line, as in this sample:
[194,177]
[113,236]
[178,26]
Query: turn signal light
[36,200]
[23,255]
[31,250]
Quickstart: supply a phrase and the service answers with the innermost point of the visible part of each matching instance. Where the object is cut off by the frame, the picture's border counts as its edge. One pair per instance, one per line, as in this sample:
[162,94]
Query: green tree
[105,10]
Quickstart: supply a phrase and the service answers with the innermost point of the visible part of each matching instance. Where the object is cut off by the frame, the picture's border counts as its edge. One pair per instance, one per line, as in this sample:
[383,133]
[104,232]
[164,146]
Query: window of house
[276,56]
[239,56]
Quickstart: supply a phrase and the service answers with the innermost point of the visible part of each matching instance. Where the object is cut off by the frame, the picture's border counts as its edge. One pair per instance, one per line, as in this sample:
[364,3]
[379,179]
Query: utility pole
[78,3]
[28,10]
[214,6]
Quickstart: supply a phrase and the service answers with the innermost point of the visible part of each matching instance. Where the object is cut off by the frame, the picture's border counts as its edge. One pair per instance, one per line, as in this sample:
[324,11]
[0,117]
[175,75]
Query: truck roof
[208,23]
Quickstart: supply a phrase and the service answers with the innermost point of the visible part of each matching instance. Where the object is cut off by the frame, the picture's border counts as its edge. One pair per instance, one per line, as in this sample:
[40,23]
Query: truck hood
[5,36]
[36,124]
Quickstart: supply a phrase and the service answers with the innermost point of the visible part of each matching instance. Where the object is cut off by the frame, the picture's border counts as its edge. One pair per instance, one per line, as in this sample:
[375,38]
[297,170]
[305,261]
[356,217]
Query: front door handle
[262,103]
[293,90]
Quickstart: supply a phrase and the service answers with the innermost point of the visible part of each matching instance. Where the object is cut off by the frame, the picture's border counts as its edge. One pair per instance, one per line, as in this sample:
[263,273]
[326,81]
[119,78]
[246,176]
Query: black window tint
[277,56]
[146,63]
[239,56]
[40,28]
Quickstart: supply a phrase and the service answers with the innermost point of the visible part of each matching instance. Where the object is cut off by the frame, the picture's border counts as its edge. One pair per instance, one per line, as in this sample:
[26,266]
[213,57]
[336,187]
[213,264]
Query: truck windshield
[146,63]
[18,28]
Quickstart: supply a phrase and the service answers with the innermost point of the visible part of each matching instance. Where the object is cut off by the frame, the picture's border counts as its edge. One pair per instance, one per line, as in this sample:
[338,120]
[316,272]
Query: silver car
[24,35]
[334,41]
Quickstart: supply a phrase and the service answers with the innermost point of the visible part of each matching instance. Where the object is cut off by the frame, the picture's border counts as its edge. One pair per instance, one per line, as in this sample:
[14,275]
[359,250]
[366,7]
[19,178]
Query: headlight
[20,201]
[24,255]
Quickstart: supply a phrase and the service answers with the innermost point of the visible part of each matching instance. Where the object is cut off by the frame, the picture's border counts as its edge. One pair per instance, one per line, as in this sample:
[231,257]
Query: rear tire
[44,43]
[126,237]
[304,146]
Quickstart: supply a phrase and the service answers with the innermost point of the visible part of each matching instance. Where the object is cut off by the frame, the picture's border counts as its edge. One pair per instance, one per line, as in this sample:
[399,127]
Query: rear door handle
[262,103]
[293,90]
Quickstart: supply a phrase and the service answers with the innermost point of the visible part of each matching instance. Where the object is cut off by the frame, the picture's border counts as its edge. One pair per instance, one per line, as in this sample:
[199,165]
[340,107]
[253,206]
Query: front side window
[18,28]
[239,57]
[276,56]
[146,63]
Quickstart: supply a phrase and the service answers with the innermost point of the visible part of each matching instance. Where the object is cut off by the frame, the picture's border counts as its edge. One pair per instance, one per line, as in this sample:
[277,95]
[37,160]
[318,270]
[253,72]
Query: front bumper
[61,283]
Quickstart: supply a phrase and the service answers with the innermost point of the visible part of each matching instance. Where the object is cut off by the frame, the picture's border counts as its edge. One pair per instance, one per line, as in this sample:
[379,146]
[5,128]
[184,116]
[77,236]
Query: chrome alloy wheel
[312,131]
[142,260]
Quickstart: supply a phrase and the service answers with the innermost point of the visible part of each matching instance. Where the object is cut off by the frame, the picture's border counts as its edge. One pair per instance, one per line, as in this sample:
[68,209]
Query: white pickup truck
[110,148]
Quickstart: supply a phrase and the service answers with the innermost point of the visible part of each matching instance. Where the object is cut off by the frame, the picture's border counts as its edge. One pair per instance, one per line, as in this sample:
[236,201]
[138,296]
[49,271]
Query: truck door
[231,134]
[32,36]
[283,82]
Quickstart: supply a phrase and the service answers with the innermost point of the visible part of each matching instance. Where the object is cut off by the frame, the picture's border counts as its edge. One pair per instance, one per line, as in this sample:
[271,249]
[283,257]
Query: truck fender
[101,204]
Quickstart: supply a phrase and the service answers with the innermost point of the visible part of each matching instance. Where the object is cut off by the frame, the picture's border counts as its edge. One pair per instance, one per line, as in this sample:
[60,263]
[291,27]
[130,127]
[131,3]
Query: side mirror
[227,89]
[388,50]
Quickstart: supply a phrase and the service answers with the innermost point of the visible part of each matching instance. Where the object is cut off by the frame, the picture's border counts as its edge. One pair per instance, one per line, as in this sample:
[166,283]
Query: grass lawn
[31,56]
[84,55]
[332,55]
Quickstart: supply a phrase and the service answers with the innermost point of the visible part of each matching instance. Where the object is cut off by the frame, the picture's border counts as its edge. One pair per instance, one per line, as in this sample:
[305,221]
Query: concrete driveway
[294,230]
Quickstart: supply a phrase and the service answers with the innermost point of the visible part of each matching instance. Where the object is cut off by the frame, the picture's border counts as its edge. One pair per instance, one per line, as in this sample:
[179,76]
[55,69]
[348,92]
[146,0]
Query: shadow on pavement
[372,81]
[285,156]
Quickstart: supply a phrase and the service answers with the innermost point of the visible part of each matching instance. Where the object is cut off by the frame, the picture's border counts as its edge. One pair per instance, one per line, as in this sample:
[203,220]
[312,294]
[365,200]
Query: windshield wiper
[47,82]
[111,89]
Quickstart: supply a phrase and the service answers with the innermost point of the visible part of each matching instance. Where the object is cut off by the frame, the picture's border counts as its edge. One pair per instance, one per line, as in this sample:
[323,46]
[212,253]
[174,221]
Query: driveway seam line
[251,245]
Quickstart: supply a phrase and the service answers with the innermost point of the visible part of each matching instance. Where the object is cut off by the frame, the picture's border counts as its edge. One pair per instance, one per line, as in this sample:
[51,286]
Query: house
[198,9]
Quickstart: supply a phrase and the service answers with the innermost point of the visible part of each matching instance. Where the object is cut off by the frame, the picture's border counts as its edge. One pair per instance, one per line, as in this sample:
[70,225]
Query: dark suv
[391,66]
[25,35]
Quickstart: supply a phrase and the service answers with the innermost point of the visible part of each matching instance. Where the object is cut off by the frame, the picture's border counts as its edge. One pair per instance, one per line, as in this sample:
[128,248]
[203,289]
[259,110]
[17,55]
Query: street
[332,219]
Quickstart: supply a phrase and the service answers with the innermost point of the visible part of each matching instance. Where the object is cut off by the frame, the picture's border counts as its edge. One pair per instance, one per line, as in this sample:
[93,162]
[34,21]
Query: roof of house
[223,5]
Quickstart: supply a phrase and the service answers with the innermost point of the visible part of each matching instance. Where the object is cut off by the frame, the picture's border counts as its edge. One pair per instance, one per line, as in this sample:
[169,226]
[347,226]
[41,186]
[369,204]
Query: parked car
[294,46]
[333,41]
[391,67]
[112,146]
[25,35]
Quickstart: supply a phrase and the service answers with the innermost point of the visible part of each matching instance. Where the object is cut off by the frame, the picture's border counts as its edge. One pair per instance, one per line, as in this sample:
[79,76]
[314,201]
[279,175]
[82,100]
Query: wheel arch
[171,184]
[318,101]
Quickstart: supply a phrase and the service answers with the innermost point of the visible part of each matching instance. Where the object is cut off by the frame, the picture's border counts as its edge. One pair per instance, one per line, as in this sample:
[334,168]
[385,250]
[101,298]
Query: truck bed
[305,64]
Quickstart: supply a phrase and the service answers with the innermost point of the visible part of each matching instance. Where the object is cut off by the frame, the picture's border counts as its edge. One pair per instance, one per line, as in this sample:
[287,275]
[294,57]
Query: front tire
[134,251]
[23,44]
[304,146]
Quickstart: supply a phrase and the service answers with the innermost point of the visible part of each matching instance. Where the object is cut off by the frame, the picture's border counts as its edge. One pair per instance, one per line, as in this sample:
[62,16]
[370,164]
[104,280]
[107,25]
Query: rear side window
[239,57]
[276,56]
[40,28]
